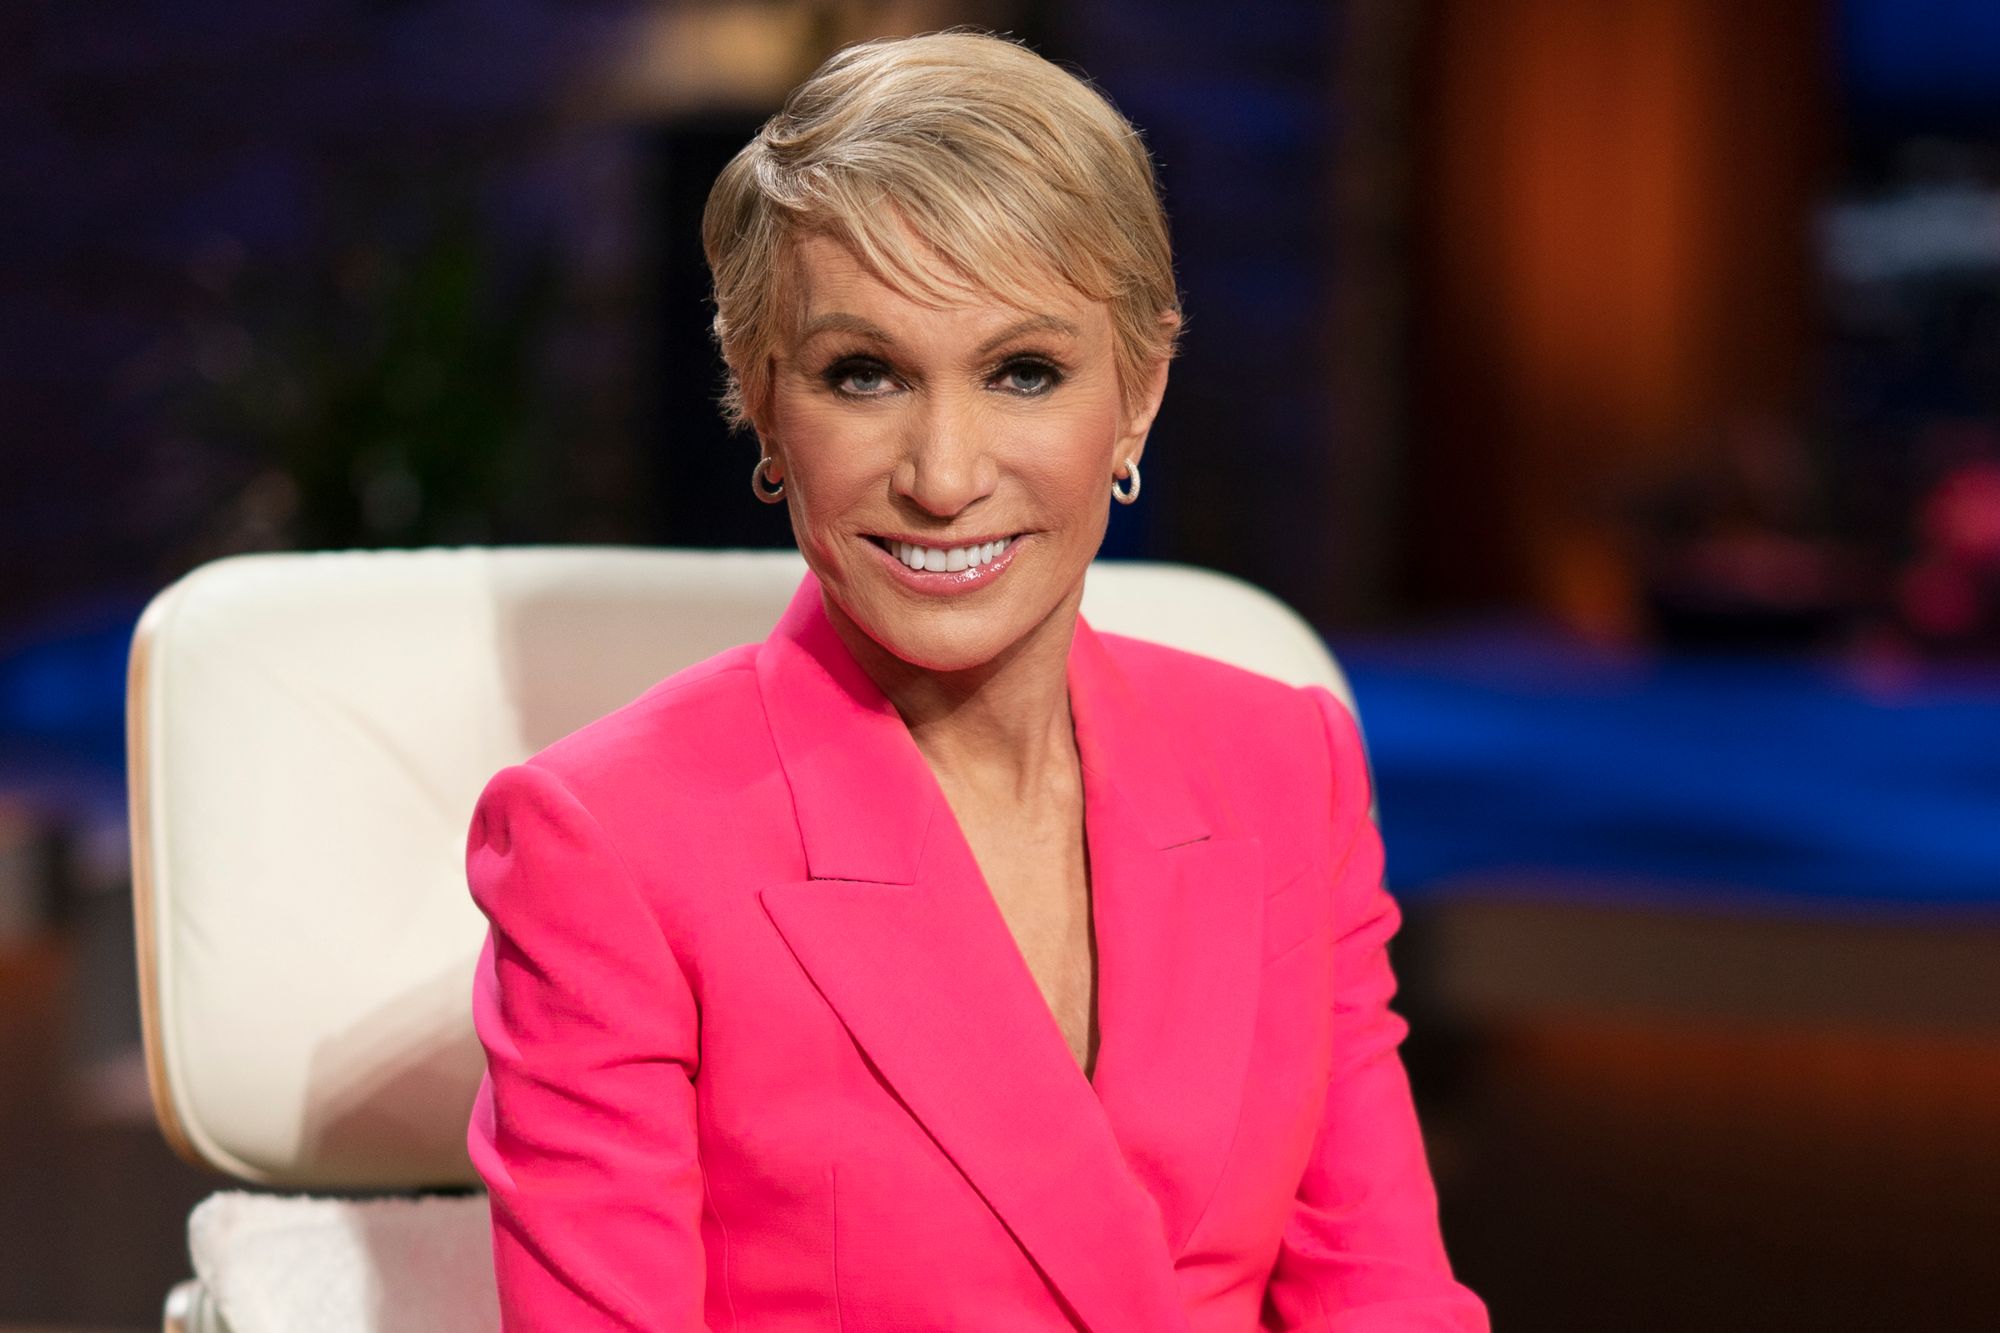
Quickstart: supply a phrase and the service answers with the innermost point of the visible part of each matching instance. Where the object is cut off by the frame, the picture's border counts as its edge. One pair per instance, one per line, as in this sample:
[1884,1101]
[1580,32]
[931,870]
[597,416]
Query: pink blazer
[762,1054]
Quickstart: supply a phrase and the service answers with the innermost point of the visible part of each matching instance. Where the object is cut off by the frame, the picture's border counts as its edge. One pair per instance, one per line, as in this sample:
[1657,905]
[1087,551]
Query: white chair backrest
[308,733]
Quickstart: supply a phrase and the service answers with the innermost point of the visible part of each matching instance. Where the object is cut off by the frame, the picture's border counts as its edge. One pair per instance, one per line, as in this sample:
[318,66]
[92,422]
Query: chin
[945,639]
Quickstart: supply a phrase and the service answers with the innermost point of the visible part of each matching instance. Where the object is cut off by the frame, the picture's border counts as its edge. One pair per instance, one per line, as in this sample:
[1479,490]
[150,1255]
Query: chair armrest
[190,1310]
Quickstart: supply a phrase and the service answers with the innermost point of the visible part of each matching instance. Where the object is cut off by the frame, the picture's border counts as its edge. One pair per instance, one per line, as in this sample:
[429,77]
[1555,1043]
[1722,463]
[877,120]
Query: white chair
[308,733]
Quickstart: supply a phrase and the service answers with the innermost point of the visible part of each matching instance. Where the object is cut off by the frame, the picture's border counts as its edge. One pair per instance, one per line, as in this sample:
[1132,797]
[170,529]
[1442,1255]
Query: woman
[938,962]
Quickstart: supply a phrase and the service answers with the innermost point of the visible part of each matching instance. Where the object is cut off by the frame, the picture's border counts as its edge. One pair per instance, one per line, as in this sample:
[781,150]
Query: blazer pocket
[1295,913]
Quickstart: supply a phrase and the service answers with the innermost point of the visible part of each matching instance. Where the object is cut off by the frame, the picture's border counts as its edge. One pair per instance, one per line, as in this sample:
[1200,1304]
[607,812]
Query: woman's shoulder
[1272,750]
[1245,718]
[683,735]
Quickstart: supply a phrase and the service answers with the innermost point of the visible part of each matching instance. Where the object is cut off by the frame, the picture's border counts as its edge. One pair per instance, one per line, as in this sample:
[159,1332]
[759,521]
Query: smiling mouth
[946,559]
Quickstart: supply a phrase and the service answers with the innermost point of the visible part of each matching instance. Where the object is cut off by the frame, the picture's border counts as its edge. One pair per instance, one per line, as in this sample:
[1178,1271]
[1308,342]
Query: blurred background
[1615,383]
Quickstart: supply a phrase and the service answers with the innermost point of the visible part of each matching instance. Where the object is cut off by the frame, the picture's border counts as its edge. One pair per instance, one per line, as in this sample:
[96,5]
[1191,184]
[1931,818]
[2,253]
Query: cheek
[819,499]
[1067,462]
[833,467]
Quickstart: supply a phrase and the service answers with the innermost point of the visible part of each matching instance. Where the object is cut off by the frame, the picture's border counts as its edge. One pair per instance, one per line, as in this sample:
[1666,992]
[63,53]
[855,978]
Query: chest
[1038,872]
[874,1070]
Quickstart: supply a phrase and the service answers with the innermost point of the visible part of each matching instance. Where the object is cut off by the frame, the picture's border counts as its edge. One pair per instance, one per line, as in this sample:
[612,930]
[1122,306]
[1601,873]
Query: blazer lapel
[1178,911]
[899,933]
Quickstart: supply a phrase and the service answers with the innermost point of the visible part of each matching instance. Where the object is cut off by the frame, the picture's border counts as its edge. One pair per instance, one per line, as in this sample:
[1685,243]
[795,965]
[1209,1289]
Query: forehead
[829,278]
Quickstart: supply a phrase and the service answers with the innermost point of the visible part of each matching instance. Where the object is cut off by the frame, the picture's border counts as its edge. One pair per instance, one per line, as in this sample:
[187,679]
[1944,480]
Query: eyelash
[842,367]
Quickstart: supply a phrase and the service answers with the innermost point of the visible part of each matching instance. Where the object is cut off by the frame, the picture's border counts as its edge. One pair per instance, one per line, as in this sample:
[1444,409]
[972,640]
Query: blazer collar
[865,797]
[898,931]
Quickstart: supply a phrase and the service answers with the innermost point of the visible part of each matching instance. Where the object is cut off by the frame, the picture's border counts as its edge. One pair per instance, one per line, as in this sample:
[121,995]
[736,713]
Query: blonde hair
[963,143]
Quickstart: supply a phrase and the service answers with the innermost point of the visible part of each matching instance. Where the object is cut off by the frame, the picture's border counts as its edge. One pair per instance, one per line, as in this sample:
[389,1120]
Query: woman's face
[948,470]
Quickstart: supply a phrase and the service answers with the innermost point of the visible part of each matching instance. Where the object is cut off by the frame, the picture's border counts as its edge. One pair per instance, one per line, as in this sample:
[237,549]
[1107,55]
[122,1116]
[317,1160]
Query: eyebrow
[841,322]
[1033,324]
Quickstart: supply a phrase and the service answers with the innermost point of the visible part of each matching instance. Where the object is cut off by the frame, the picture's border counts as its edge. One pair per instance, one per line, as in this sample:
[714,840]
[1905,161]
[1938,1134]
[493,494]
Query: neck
[1003,725]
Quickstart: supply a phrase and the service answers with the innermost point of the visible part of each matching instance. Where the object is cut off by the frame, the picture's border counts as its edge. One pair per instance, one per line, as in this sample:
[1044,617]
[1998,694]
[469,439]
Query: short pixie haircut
[970,145]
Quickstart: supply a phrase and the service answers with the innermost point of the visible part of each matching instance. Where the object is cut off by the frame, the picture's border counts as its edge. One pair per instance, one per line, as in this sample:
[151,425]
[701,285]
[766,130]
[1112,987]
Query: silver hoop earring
[1131,492]
[757,479]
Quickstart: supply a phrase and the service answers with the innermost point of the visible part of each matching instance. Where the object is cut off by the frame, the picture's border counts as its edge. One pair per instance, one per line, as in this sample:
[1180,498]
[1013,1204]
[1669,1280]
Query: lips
[941,569]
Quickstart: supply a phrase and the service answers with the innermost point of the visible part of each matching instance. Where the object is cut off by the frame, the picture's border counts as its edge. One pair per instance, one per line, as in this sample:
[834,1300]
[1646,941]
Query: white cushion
[271,1264]
[308,735]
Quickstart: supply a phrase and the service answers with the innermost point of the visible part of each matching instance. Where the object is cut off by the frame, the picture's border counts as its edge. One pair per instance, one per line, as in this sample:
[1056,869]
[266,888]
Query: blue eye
[858,378]
[1029,378]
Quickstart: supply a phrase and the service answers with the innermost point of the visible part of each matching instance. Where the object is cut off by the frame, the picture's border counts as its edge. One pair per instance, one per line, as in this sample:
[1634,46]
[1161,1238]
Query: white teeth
[941,559]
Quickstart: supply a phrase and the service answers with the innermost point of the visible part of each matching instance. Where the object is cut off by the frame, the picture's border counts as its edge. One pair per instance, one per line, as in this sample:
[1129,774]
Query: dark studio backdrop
[1615,383]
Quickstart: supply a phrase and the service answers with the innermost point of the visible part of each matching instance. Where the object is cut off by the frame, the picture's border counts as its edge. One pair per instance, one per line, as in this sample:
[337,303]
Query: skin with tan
[890,420]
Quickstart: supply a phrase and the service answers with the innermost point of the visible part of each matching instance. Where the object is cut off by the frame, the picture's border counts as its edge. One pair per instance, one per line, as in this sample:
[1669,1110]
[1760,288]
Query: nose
[947,465]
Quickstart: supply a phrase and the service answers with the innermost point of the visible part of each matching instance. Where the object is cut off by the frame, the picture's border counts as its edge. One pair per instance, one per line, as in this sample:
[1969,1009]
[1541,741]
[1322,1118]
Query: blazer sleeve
[1362,1252]
[584,1124]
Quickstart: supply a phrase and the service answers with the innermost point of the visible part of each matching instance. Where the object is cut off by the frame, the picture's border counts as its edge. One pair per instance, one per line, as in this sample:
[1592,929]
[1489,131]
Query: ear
[1139,419]
[764,427]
